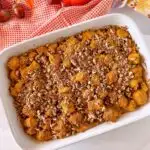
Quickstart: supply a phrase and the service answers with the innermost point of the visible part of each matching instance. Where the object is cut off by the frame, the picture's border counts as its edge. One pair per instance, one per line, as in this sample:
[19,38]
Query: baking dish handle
[147,40]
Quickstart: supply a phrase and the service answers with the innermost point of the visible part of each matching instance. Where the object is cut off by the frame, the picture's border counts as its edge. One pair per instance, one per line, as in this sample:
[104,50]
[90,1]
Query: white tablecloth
[135,136]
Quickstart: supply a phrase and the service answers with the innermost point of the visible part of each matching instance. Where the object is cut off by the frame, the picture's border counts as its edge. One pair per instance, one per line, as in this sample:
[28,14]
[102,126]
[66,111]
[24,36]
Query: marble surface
[135,136]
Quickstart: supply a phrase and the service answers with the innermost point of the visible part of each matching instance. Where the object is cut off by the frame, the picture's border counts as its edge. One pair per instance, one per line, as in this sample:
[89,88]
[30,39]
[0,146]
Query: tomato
[19,10]
[4,15]
[56,2]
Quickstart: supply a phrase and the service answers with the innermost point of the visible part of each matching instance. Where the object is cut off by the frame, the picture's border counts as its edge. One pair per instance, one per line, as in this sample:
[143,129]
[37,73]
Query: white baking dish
[24,141]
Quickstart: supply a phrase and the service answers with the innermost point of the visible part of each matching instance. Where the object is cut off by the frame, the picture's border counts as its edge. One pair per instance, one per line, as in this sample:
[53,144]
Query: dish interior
[67,87]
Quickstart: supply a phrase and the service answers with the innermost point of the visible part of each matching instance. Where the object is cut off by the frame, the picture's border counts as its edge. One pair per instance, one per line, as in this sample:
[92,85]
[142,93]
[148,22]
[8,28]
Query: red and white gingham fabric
[46,18]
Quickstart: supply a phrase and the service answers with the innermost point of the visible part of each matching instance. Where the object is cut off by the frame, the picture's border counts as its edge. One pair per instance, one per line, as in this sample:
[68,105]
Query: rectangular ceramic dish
[24,141]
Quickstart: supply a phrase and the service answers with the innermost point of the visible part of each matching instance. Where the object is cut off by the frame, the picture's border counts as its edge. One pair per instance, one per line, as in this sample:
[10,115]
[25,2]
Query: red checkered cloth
[46,18]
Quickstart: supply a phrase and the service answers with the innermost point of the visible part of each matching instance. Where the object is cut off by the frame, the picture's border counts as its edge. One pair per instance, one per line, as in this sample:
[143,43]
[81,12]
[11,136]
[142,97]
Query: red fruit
[75,2]
[66,2]
[18,10]
[56,2]
[4,15]
[0,5]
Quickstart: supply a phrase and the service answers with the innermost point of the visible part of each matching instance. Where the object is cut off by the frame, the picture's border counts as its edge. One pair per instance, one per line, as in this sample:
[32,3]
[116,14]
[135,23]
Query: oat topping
[67,87]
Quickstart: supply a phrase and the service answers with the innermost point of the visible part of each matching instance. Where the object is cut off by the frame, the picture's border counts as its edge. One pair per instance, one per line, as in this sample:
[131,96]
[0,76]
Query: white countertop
[135,136]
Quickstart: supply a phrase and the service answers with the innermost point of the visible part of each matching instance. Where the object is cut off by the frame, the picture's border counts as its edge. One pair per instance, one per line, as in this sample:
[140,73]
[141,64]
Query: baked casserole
[78,82]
